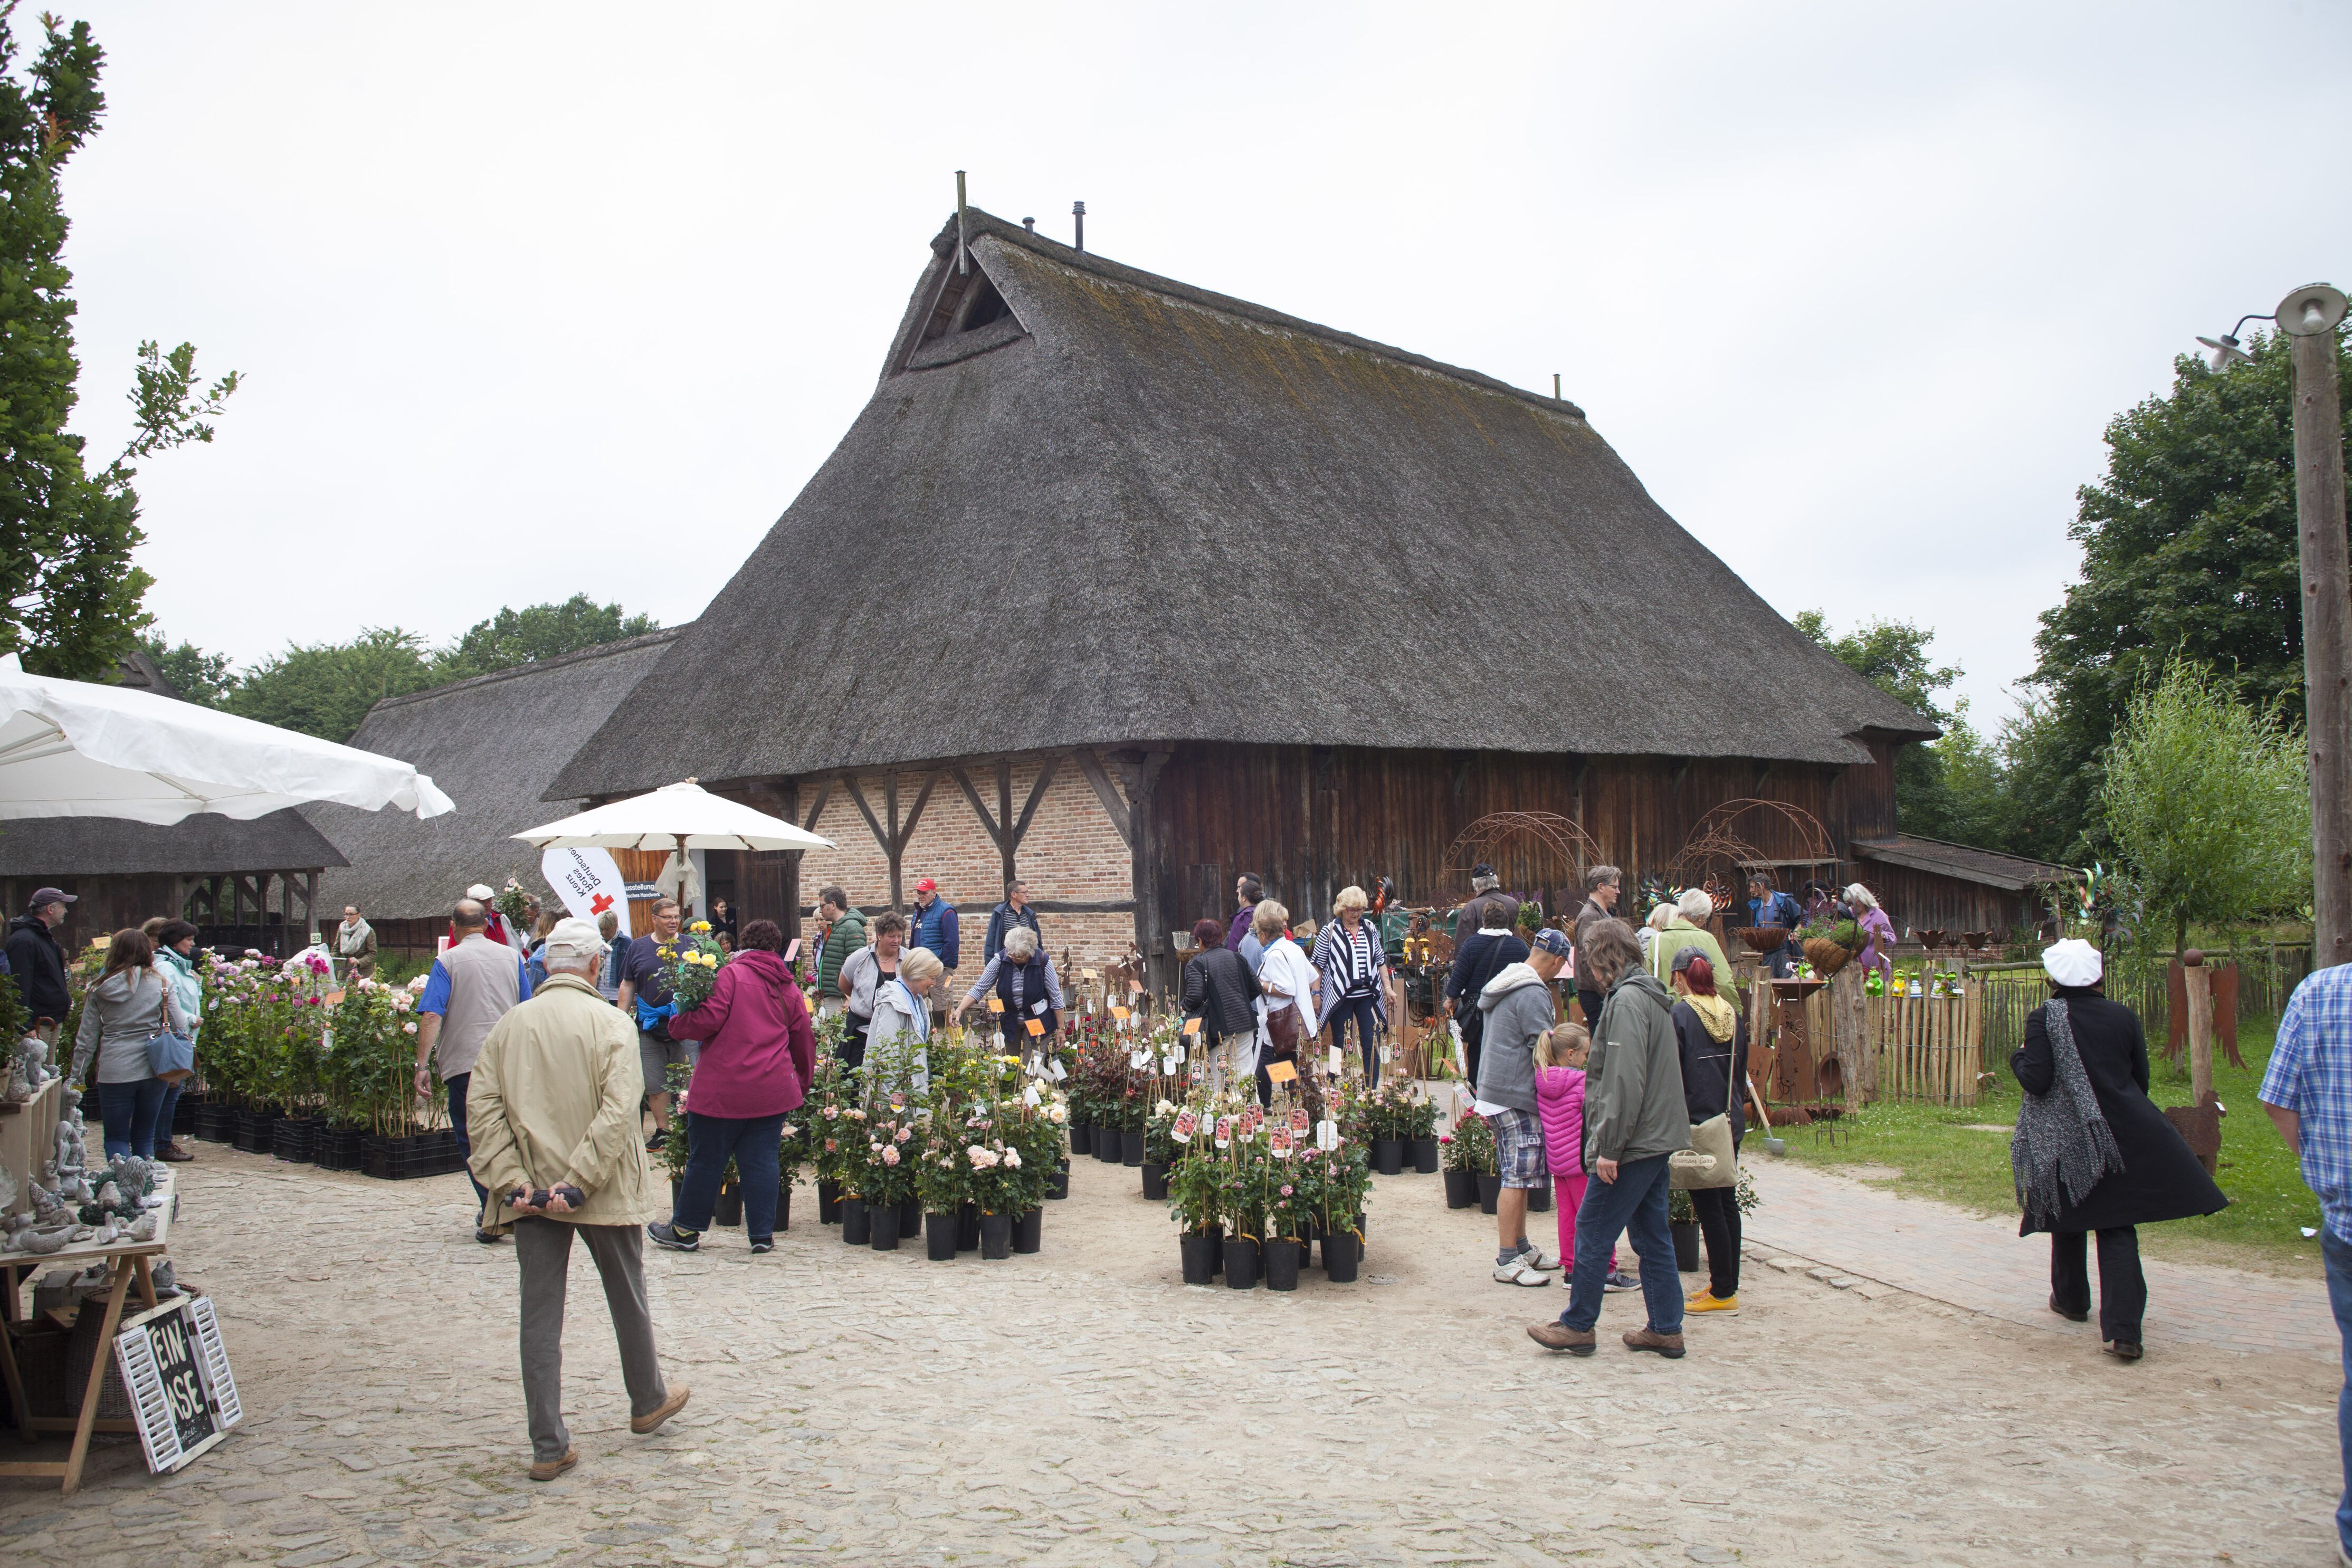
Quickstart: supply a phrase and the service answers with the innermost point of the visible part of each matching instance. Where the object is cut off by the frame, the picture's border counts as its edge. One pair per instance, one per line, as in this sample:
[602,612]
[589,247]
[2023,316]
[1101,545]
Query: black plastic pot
[1539,1199]
[882,1227]
[1424,1156]
[856,1225]
[1082,1138]
[1059,1187]
[1029,1230]
[1198,1247]
[675,1186]
[784,1203]
[1282,1258]
[1461,1190]
[995,1236]
[1490,1187]
[967,1227]
[1109,1146]
[1130,1146]
[729,1209]
[1155,1182]
[1685,1244]
[1216,1249]
[1388,1156]
[939,1237]
[1341,1254]
[828,1202]
[1241,1262]
[910,1219]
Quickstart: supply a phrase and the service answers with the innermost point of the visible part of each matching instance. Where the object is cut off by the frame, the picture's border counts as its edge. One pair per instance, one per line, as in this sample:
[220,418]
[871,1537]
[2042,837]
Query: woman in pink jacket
[1559,1101]
[757,1057]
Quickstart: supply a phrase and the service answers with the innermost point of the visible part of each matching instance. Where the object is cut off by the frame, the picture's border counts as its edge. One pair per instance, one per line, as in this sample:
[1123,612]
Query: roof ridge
[980,223]
[534,666]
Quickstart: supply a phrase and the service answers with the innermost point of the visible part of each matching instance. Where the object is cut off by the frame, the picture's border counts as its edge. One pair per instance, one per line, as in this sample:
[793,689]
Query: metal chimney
[959,228]
[1029,223]
[1079,211]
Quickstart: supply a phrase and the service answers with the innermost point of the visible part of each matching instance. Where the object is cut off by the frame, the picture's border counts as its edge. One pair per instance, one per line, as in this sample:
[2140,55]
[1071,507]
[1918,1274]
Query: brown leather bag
[1285,1033]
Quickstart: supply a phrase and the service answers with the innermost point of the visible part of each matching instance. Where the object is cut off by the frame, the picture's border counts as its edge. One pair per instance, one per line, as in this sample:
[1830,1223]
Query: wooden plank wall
[1312,821]
[1924,900]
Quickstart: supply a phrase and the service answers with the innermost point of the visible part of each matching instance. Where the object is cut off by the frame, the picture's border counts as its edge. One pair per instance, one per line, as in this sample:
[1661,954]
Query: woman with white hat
[2092,1153]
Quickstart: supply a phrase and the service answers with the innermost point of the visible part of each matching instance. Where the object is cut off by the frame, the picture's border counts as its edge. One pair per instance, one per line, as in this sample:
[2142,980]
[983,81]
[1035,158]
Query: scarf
[350,939]
[1715,1014]
[2063,1145]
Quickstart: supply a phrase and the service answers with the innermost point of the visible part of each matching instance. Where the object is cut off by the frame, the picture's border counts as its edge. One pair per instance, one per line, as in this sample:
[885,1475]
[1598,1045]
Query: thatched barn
[1132,587]
[493,743]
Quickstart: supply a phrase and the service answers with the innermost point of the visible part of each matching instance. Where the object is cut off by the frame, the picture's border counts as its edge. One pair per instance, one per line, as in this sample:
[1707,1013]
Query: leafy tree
[1893,656]
[327,689]
[514,637]
[2189,551]
[200,677]
[2208,797]
[75,600]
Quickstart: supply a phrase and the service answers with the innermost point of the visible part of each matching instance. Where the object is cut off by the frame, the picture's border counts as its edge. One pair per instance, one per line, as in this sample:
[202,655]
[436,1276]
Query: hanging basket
[1762,938]
[1826,957]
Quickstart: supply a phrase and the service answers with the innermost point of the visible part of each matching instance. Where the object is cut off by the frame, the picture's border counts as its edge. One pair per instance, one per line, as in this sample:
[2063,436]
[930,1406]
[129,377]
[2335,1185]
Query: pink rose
[889,1154]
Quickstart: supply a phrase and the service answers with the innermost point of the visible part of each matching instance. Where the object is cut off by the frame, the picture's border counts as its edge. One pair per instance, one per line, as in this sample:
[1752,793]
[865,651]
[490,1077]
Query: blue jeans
[129,1110]
[2338,1254]
[457,1087]
[710,1141]
[171,1106]
[1636,1203]
[1360,1009]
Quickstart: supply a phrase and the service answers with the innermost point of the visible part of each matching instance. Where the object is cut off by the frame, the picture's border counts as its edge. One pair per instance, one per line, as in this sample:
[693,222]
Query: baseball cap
[1482,869]
[1683,957]
[50,895]
[927,885]
[1552,940]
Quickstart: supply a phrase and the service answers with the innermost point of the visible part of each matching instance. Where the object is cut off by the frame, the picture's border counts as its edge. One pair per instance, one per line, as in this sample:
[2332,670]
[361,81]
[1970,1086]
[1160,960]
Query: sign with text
[589,883]
[175,1370]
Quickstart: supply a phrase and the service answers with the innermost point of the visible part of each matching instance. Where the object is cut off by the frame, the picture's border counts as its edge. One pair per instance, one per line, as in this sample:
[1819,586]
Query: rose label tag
[996,1004]
[1327,1134]
[1224,1131]
[1191,1026]
[1138,1059]
[1170,1062]
[1060,1072]
[1299,1122]
[1029,1096]
[1187,1124]
[1036,1028]
[1335,1061]
[1384,1056]
[1279,1143]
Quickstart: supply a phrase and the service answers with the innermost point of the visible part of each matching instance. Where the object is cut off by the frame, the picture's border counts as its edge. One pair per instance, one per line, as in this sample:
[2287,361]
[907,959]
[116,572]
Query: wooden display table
[29,1133]
[126,1261]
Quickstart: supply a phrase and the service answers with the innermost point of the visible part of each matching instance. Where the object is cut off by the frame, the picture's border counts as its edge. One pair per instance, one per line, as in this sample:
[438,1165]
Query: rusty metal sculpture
[1725,841]
[1560,850]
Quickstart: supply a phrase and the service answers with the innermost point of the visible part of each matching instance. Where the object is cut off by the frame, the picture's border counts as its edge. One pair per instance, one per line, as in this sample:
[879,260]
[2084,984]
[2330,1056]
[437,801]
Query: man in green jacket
[845,933]
[1688,928]
[1634,1119]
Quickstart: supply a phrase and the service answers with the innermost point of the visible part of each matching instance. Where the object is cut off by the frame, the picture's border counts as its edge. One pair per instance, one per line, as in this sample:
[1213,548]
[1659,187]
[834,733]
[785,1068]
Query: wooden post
[2327,634]
[2200,1024]
[1849,1032]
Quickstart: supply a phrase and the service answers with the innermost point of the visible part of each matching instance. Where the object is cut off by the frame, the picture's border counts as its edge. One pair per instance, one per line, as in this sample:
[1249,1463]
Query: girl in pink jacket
[1559,1101]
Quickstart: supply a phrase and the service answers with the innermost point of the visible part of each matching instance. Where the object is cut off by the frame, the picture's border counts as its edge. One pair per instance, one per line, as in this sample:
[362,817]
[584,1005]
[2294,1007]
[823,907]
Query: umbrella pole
[684,866]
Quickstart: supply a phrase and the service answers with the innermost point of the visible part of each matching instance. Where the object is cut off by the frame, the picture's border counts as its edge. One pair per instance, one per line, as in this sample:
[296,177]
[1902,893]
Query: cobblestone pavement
[1083,1407]
[1984,1265]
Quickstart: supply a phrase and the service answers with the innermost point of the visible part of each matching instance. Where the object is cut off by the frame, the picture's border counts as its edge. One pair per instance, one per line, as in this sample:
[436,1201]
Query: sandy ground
[1083,1406]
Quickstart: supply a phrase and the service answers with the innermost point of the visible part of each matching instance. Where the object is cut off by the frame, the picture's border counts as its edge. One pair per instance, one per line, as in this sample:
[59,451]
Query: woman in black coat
[1219,988]
[2093,1153]
[1715,1080]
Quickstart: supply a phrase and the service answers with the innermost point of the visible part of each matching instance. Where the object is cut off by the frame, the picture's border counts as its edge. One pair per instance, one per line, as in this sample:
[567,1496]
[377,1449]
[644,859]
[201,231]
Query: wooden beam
[824,794]
[1036,796]
[858,795]
[914,812]
[1113,807]
[1004,839]
[971,798]
[892,843]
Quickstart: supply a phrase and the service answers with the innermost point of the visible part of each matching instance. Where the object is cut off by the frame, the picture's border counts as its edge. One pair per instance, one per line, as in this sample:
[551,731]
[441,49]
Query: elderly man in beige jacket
[554,1107]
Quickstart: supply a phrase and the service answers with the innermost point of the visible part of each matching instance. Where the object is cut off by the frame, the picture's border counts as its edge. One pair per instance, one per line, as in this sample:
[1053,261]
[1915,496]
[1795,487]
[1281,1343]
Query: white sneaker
[1535,1257]
[1516,1272]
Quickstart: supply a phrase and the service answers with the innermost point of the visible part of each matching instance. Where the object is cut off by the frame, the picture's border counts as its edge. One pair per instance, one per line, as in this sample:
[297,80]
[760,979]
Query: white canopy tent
[74,748]
[677,817]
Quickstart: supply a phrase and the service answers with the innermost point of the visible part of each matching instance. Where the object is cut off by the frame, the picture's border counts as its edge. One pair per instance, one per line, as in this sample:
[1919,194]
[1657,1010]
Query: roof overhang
[1989,867]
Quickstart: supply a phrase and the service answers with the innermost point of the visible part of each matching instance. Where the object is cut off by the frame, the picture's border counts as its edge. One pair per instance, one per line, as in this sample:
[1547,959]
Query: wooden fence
[1931,1048]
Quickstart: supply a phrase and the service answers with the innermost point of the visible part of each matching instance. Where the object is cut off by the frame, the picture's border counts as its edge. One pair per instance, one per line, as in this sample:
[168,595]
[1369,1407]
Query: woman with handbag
[1712,1040]
[132,1010]
[175,954]
[1285,983]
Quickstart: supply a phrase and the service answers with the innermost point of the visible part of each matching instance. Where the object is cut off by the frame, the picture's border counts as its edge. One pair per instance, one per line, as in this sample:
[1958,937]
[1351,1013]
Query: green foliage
[1470,1147]
[1893,656]
[327,689]
[2208,797]
[2189,551]
[202,678]
[75,602]
[514,637]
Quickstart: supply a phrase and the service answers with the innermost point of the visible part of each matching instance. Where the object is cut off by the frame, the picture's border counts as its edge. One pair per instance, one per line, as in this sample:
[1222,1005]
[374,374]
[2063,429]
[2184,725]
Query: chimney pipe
[1029,223]
[1079,211]
[1555,386]
[960,229]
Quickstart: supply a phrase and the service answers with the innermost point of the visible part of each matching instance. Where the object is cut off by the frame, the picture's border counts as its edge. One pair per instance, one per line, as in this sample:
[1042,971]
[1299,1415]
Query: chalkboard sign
[176,1372]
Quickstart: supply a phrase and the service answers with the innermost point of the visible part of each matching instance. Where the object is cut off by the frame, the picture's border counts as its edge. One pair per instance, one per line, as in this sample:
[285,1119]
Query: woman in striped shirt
[1354,967]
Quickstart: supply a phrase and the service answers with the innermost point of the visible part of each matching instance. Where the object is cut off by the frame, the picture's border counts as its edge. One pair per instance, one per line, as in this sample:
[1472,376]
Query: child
[1560,1102]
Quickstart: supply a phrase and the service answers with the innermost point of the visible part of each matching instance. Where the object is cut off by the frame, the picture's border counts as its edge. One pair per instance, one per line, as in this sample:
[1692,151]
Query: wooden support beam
[858,797]
[915,812]
[892,843]
[1113,807]
[1005,842]
[1036,796]
[816,807]
[988,822]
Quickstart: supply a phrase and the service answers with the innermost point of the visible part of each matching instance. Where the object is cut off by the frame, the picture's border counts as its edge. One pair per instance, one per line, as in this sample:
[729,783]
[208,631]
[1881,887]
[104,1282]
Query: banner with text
[588,883]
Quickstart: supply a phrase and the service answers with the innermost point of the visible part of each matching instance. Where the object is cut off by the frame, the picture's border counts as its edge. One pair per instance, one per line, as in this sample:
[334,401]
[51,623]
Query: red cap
[927,885]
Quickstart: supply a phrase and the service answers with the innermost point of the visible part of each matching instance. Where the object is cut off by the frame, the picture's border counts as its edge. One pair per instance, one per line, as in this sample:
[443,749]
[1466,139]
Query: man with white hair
[1023,979]
[1688,928]
[554,1107]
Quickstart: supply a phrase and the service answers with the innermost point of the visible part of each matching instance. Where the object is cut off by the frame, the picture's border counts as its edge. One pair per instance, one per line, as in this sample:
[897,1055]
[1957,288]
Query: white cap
[2073,962]
[575,937]
[478,890]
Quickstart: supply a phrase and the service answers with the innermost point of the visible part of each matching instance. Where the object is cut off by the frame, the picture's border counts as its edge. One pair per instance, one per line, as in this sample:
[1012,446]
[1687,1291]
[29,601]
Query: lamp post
[2308,317]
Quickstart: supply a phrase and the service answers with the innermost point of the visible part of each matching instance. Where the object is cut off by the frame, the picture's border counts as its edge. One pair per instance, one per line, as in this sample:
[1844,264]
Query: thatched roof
[202,845]
[493,742]
[1126,509]
[1991,868]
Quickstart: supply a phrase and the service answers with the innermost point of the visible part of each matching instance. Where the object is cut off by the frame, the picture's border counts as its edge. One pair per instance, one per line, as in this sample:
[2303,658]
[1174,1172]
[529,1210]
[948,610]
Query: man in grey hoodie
[1634,1118]
[1516,1005]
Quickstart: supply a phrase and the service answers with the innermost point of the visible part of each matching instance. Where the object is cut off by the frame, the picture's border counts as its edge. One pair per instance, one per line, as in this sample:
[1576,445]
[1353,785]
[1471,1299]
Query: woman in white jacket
[1287,1008]
[897,1051]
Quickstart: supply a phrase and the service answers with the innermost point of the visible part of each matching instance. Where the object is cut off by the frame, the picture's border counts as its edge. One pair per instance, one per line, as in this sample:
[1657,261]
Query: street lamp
[2309,316]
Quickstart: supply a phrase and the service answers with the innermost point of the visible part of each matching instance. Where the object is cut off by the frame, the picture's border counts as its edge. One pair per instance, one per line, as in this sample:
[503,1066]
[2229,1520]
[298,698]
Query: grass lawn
[1961,1156]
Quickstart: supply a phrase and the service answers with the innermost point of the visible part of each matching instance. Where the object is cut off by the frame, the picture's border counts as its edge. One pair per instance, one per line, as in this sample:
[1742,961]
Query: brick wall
[1072,853]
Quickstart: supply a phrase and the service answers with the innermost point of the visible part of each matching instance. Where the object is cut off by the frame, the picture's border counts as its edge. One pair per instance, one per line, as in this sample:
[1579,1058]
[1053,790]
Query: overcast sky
[537,299]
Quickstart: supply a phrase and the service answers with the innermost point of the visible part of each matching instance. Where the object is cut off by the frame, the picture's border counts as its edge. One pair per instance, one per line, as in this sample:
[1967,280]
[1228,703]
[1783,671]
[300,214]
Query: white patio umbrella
[679,817]
[74,748]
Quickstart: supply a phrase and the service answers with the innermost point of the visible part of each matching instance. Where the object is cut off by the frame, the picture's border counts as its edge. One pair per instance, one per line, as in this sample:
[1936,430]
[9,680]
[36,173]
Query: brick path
[1954,1257]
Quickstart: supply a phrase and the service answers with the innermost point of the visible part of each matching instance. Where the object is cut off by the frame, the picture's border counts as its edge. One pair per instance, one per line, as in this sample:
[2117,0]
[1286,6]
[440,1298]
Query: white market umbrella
[74,748]
[679,817]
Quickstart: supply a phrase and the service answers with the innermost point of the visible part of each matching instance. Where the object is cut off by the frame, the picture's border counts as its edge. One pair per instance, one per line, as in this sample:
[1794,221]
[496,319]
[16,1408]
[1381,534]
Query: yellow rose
[701,925]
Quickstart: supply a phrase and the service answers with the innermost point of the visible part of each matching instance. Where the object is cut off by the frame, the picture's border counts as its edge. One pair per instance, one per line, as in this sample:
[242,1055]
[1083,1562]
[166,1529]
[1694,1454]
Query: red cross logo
[601,902]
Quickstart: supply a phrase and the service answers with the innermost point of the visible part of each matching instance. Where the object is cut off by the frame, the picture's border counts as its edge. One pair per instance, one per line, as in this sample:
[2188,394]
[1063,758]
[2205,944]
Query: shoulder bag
[1712,1159]
[170,1057]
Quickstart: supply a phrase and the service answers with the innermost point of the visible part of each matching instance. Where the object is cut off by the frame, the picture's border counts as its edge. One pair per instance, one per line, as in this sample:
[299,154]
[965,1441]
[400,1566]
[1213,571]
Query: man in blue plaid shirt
[2309,1094]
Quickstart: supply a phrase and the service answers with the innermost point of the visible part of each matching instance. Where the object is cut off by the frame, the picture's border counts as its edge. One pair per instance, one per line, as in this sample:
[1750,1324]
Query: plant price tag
[1335,1061]
[1036,1028]
[1170,1062]
[1140,1060]
[1193,1026]
[1060,1072]
[1384,1056]
[1327,1134]
[1029,1097]
[1118,1012]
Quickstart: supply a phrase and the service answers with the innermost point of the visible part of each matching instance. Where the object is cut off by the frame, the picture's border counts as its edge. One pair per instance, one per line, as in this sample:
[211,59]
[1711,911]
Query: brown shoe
[647,1425]
[174,1152]
[551,1468]
[2122,1349]
[1558,1335]
[1669,1345]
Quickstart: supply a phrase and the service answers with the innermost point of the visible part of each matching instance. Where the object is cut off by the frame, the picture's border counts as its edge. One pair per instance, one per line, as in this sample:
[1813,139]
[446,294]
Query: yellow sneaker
[1707,1302]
